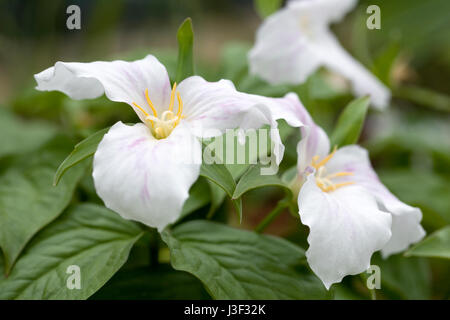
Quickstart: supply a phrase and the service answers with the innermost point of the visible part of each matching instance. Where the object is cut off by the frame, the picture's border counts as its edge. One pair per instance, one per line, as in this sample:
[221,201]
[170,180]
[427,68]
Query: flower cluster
[144,171]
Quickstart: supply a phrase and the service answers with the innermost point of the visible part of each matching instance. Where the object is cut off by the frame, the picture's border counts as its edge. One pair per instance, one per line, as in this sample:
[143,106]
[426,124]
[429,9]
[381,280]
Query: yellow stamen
[140,108]
[150,103]
[143,111]
[339,174]
[324,160]
[180,108]
[172,96]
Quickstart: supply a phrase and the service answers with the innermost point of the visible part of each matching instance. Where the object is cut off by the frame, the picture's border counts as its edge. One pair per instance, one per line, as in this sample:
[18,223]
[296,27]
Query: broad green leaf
[252,179]
[160,283]
[350,123]
[82,150]
[424,189]
[219,174]
[238,264]
[198,197]
[217,197]
[19,136]
[266,7]
[437,245]
[405,278]
[91,237]
[28,199]
[185,37]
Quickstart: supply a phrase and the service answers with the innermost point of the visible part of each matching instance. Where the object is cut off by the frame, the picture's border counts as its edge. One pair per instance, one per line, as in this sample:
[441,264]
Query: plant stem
[281,205]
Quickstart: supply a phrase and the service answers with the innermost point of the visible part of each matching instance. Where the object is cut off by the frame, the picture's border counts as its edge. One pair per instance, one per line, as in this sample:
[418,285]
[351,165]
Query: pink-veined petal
[145,179]
[346,228]
[295,41]
[406,228]
[210,108]
[120,81]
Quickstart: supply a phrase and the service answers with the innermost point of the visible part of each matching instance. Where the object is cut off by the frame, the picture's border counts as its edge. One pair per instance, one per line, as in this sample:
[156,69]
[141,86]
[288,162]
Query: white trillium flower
[349,212]
[144,172]
[295,41]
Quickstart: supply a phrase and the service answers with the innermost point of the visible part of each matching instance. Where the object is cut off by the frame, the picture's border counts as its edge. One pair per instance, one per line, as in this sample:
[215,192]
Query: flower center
[162,126]
[324,180]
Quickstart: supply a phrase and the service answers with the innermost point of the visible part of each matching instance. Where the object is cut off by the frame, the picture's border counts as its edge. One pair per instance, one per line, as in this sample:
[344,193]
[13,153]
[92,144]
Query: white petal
[292,43]
[324,11]
[346,228]
[406,228]
[212,107]
[281,53]
[145,179]
[121,81]
[362,81]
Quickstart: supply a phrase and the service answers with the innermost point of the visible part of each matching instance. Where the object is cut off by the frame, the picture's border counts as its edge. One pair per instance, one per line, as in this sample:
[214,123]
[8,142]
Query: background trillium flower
[349,212]
[295,41]
[144,172]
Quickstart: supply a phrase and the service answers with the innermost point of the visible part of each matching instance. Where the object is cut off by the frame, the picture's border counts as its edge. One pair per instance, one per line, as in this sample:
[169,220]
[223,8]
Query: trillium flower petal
[145,179]
[281,53]
[120,81]
[362,81]
[212,107]
[406,228]
[295,41]
[346,228]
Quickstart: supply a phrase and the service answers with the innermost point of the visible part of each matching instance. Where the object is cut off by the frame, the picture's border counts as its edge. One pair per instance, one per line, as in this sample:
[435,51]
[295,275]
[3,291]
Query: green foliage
[436,245]
[350,123]
[19,136]
[405,278]
[219,174]
[144,283]
[185,37]
[83,150]
[238,264]
[267,7]
[89,236]
[252,179]
[28,200]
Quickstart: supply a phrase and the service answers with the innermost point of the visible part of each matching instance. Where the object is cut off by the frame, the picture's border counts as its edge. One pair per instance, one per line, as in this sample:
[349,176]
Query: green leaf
[266,7]
[19,136]
[198,198]
[82,150]
[219,174]
[161,283]
[238,264]
[252,179]
[437,245]
[350,123]
[431,194]
[91,237]
[404,278]
[28,200]
[185,37]
[217,197]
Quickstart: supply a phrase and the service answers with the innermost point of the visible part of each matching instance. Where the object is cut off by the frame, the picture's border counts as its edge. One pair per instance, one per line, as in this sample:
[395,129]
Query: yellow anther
[143,111]
[163,126]
[172,96]
[324,160]
[339,174]
[150,103]
[180,109]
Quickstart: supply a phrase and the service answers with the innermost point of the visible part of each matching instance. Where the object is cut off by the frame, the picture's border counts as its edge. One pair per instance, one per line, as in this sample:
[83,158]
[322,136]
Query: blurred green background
[409,143]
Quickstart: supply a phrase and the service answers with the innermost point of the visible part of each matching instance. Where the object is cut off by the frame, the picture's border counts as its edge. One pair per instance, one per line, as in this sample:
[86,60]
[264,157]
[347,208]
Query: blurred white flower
[349,212]
[144,172]
[295,41]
